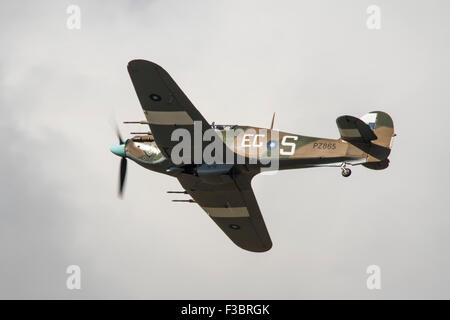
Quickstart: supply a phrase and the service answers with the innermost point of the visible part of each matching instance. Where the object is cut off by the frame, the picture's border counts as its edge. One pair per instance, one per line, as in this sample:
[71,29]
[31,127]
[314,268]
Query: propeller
[123,174]
[119,136]
[119,150]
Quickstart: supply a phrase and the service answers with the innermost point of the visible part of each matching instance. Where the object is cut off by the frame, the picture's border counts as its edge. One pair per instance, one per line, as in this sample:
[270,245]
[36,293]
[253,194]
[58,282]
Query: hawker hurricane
[215,163]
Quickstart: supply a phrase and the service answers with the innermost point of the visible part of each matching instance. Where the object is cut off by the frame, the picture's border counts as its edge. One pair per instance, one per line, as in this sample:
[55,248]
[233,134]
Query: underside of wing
[231,203]
[165,105]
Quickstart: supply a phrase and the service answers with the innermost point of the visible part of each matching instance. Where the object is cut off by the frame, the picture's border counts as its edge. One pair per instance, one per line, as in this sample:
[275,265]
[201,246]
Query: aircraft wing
[233,207]
[165,105]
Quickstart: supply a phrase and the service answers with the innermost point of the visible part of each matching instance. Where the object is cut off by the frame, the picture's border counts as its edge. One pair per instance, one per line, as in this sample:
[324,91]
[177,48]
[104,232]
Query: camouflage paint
[251,143]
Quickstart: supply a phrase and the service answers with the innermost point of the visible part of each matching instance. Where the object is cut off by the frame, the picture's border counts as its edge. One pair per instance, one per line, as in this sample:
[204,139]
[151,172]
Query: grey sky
[238,62]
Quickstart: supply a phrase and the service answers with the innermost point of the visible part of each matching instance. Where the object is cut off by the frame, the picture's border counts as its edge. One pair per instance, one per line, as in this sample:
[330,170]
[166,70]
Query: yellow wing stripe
[235,212]
[168,117]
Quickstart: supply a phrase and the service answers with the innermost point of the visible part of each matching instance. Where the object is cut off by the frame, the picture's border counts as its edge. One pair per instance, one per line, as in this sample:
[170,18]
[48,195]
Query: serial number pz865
[324,146]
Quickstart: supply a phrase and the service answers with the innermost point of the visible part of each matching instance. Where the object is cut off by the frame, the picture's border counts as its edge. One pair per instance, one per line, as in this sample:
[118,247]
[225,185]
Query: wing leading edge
[165,105]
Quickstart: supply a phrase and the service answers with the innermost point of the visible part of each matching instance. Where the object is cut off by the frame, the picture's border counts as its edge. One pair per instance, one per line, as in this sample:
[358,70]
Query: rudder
[382,125]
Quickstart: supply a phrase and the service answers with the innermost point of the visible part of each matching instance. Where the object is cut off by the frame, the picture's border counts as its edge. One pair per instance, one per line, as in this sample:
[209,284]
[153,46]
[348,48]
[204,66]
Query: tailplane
[373,133]
[355,130]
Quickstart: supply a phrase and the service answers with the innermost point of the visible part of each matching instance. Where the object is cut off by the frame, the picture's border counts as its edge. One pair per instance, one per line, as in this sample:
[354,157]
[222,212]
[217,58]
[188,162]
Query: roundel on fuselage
[271,144]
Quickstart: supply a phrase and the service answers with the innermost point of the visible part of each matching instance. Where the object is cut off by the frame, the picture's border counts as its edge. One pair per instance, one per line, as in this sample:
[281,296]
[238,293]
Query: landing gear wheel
[346,172]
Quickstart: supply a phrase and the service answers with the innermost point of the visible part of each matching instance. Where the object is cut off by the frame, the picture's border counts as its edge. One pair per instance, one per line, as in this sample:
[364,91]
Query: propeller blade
[119,136]
[123,172]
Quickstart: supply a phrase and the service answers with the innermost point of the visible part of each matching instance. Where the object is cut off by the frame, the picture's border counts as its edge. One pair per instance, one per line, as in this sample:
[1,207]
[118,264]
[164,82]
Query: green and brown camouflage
[254,143]
[223,187]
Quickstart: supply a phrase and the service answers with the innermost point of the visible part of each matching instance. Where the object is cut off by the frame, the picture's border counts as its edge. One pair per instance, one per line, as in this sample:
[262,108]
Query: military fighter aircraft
[221,184]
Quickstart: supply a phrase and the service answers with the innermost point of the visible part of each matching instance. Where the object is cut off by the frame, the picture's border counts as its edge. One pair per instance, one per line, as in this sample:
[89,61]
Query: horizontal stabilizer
[354,130]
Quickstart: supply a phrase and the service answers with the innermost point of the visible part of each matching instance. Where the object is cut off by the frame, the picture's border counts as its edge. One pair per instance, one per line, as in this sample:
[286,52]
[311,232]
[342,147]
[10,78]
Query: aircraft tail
[372,133]
[383,127]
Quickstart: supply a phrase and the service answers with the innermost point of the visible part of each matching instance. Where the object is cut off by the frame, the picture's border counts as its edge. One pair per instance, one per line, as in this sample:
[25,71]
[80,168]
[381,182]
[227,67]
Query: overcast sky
[238,62]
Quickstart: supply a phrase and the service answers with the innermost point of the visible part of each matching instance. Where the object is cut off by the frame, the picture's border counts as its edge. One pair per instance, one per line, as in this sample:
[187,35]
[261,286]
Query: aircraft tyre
[346,172]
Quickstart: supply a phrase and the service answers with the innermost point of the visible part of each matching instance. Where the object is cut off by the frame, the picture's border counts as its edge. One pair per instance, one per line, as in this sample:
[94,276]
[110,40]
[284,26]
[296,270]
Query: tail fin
[373,133]
[383,127]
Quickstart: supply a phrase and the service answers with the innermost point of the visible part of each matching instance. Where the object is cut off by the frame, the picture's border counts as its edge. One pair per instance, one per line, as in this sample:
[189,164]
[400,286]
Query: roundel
[155,97]
[271,144]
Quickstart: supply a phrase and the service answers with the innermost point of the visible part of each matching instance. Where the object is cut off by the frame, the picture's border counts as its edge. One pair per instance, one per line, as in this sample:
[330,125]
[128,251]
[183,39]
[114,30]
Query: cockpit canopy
[223,126]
